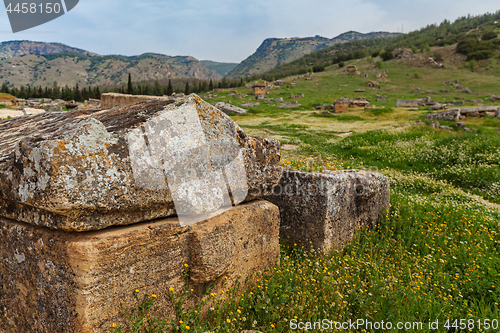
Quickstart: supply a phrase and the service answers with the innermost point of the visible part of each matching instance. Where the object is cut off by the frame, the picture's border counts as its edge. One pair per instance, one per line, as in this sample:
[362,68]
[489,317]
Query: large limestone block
[58,282]
[88,170]
[324,210]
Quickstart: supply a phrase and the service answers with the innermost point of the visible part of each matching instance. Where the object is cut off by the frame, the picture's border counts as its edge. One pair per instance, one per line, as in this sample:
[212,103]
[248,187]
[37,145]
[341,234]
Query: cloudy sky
[230,30]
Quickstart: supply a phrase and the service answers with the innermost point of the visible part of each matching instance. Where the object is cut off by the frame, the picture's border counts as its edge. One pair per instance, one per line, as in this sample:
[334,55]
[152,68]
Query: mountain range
[41,64]
[274,52]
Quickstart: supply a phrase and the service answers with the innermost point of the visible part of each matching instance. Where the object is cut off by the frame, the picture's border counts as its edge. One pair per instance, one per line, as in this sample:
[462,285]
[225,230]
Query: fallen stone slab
[323,210]
[250,104]
[88,170]
[437,106]
[452,114]
[228,108]
[30,111]
[59,282]
[476,110]
[111,100]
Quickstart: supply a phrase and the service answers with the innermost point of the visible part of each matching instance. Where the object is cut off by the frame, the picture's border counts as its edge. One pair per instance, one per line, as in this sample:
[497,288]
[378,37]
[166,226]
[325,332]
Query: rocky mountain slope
[277,51]
[18,48]
[40,64]
[223,68]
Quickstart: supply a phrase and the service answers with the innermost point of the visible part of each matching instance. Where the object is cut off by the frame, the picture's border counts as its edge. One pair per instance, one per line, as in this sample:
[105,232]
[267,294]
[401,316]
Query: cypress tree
[5,88]
[186,89]
[170,89]
[130,88]
[211,85]
[156,88]
[77,96]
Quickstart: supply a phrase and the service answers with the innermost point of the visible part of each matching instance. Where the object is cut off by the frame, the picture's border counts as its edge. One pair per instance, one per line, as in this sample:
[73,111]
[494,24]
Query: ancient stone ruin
[111,100]
[229,108]
[95,204]
[456,114]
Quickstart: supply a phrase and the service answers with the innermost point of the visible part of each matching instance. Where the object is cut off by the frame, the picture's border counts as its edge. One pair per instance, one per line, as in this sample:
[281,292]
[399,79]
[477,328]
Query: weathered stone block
[323,210]
[228,108]
[88,170]
[54,281]
[112,100]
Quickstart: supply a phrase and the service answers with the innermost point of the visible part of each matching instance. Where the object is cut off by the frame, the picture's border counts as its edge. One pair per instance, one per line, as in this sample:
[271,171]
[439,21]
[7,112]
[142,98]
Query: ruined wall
[111,100]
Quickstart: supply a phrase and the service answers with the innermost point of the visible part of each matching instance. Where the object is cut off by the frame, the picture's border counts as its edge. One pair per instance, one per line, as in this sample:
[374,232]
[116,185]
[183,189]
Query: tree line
[156,88]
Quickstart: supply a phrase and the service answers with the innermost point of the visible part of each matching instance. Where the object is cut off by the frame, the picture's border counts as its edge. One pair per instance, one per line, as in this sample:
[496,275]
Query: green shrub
[375,54]
[341,64]
[471,65]
[480,55]
[414,49]
[425,48]
[378,112]
[437,56]
[386,55]
[318,68]
[467,45]
[489,35]
[378,64]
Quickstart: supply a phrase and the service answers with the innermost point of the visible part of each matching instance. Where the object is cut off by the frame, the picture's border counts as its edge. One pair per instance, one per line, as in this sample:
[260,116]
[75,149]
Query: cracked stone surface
[54,281]
[89,170]
[324,210]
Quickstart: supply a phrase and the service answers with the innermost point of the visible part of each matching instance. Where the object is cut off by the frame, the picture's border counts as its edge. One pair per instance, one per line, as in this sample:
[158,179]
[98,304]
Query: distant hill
[278,51]
[18,48]
[40,64]
[476,37]
[223,68]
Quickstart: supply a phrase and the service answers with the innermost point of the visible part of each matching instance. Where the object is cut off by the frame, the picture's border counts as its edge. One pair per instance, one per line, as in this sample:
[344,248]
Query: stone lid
[88,170]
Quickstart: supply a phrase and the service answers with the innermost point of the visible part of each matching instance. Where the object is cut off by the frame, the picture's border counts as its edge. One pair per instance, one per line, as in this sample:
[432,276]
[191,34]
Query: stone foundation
[55,281]
[324,210]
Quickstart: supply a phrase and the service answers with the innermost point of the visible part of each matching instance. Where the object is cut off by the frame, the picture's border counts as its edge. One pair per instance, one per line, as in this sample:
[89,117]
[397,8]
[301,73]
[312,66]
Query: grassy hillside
[403,77]
[278,51]
[433,256]
[471,31]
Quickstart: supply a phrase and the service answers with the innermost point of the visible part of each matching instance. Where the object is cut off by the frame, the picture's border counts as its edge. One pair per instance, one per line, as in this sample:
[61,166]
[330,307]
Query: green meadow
[434,255]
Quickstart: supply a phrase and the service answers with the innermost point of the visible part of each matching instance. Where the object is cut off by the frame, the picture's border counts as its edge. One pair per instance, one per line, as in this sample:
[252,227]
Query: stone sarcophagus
[95,204]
